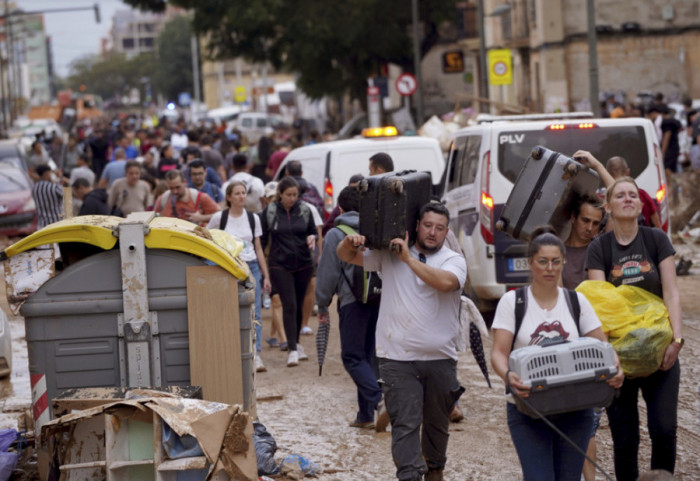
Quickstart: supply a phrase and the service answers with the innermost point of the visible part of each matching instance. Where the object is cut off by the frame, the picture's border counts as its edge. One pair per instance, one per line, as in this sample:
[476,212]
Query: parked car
[17,208]
[5,346]
[253,125]
[485,160]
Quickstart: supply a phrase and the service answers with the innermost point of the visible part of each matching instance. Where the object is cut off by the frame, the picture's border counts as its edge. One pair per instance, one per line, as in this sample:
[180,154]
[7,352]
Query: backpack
[166,195]
[366,286]
[251,221]
[312,196]
[271,215]
[521,307]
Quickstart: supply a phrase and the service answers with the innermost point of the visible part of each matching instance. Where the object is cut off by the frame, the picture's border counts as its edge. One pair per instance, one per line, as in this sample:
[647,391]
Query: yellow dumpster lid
[165,233]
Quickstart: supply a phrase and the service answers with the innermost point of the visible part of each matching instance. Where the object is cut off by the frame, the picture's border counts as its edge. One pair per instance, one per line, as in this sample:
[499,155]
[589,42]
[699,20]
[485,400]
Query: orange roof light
[373,132]
[557,127]
[586,125]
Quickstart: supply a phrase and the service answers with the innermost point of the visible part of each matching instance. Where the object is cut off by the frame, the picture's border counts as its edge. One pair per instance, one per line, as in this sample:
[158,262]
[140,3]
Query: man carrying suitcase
[416,332]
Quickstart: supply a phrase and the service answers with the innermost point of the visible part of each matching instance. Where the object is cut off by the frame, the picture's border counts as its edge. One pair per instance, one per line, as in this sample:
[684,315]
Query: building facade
[134,32]
[641,46]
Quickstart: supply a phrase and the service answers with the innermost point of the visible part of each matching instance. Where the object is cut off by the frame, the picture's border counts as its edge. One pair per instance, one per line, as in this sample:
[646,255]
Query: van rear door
[514,146]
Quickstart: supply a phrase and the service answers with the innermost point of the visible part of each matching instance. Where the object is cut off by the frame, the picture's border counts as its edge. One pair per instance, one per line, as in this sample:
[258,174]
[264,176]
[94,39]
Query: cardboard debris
[224,432]
[25,273]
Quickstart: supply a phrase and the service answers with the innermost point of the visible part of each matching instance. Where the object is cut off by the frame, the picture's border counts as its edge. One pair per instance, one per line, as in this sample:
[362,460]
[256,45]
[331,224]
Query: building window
[127,43]
[146,42]
[466,20]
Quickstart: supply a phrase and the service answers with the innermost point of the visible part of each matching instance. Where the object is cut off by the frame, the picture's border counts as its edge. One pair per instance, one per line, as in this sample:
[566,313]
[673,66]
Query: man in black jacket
[94,200]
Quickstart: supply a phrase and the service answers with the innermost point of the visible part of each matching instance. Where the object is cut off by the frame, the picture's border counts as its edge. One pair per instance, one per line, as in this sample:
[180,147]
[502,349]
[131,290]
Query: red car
[17,208]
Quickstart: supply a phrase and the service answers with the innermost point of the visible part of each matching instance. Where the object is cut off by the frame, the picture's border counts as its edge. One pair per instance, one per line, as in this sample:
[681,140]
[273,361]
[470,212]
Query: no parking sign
[500,67]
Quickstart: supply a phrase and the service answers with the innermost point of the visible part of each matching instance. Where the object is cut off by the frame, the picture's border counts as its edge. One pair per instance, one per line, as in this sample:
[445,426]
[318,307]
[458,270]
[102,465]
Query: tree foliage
[174,58]
[168,71]
[333,47]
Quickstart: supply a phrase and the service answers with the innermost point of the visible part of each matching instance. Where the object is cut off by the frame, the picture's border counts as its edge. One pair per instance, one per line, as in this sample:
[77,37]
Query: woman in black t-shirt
[640,256]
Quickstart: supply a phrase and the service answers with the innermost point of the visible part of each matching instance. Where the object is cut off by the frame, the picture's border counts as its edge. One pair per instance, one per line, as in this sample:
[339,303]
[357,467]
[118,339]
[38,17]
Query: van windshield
[628,142]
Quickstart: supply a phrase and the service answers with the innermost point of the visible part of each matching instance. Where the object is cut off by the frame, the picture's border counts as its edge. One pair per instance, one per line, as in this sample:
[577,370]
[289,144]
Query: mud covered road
[311,418]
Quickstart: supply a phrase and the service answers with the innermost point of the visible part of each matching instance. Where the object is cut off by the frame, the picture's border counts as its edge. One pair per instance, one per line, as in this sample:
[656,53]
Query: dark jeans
[660,392]
[415,393]
[543,454]
[358,323]
[291,287]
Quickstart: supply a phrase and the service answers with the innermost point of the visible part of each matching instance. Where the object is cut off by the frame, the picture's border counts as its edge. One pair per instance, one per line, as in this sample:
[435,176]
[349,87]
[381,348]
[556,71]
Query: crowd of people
[399,348]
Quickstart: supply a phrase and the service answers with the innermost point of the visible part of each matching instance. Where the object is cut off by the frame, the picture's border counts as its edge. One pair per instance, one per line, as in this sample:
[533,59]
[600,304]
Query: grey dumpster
[73,328]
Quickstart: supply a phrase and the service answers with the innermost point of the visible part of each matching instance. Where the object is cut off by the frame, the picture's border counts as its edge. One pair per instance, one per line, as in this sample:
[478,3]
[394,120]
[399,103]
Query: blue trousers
[358,323]
[257,318]
[543,454]
[660,392]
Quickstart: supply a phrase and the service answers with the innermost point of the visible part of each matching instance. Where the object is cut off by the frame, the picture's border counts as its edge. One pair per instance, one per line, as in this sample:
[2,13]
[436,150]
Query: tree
[174,58]
[111,75]
[332,46]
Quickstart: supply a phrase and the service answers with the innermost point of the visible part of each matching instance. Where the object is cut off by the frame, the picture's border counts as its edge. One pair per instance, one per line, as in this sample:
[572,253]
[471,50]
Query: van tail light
[328,197]
[486,204]
[661,197]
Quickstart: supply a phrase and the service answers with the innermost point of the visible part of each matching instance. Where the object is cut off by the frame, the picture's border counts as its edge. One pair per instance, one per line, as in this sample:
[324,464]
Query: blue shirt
[114,170]
[210,189]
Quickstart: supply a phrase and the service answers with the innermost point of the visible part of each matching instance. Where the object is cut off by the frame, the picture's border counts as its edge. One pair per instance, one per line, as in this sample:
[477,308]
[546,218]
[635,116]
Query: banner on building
[500,67]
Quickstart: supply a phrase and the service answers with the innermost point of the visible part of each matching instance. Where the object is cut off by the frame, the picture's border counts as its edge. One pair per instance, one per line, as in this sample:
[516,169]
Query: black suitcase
[544,192]
[389,205]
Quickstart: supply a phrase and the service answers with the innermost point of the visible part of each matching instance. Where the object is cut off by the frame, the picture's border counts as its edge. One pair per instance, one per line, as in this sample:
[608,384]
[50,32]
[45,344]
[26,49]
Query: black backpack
[521,308]
[366,286]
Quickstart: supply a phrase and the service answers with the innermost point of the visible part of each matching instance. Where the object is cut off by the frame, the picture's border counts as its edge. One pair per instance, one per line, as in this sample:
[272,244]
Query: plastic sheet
[636,322]
[265,447]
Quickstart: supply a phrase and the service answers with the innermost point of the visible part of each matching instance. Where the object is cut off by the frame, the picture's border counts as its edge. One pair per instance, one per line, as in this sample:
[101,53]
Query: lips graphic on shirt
[548,333]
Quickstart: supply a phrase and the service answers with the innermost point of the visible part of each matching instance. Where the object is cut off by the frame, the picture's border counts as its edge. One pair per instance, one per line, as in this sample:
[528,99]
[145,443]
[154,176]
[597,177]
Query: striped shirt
[48,198]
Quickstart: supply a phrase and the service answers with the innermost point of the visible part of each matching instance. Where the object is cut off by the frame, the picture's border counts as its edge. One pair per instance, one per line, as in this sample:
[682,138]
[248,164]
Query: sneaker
[456,415]
[302,354]
[259,366]
[284,346]
[362,424]
[272,342]
[306,331]
[293,359]
[434,475]
[381,420]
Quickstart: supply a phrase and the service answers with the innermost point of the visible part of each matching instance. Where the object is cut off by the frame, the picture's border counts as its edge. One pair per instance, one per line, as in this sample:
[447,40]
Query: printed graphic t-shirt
[632,264]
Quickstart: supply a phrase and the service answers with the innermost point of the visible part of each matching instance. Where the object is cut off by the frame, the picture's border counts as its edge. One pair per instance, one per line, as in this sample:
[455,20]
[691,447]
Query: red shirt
[648,207]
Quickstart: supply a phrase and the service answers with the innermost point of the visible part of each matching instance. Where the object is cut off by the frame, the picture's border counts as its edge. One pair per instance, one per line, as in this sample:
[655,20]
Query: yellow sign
[239,94]
[500,67]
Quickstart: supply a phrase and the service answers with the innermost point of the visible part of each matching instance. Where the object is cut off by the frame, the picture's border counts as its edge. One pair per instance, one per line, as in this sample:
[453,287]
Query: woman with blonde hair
[641,256]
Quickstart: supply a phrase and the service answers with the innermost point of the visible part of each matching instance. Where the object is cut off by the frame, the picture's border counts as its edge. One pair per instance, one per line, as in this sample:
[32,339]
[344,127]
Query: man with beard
[585,225]
[184,202]
[417,330]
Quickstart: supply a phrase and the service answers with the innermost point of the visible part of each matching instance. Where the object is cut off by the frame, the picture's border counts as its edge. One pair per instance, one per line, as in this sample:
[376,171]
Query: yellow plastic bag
[636,322]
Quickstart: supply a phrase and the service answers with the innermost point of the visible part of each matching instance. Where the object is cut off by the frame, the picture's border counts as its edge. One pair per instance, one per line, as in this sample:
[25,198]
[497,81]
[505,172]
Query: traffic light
[97,13]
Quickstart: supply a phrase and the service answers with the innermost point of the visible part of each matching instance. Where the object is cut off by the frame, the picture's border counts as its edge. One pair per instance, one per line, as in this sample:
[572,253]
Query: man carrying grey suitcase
[416,337]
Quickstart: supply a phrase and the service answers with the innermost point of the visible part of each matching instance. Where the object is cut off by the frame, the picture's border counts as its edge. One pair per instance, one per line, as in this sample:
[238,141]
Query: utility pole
[483,61]
[592,60]
[416,64]
[195,72]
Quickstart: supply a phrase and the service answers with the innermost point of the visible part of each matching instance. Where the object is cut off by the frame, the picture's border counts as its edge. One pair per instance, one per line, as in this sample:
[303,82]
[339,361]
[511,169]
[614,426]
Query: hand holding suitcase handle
[400,247]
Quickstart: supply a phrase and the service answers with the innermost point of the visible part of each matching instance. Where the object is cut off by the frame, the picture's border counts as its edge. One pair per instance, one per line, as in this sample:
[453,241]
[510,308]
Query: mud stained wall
[665,63]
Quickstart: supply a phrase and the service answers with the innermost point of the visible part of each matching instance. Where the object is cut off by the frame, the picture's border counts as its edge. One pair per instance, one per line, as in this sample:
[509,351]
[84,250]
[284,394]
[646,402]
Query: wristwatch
[679,340]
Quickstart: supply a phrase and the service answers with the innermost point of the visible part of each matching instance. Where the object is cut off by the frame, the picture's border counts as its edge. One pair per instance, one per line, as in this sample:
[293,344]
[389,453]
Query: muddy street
[309,415]
[312,417]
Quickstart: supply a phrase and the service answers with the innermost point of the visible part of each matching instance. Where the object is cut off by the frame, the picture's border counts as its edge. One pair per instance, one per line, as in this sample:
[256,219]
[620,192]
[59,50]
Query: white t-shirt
[416,322]
[539,324]
[240,228]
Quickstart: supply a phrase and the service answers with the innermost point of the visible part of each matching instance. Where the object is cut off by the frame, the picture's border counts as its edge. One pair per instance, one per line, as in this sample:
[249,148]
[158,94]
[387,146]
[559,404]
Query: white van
[329,165]
[485,160]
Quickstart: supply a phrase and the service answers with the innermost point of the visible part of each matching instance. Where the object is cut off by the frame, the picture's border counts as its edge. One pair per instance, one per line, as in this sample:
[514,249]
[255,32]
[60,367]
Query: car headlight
[30,205]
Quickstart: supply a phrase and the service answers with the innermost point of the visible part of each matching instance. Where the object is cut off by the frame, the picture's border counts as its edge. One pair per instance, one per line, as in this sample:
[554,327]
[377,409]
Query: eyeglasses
[554,263]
